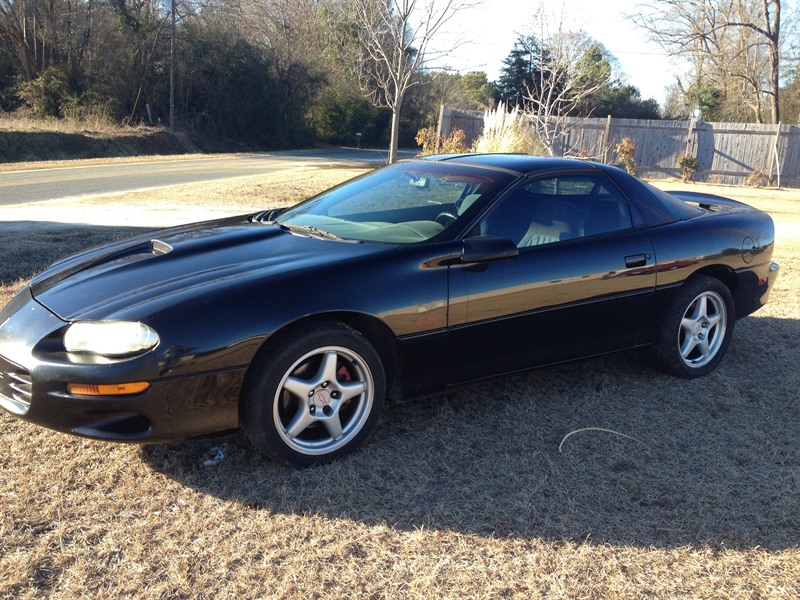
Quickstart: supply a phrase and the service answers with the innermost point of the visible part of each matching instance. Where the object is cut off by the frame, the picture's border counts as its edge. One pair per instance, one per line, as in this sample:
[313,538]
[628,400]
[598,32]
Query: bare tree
[43,33]
[562,84]
[14,19]
[393,45]
[738,42]
[286,29]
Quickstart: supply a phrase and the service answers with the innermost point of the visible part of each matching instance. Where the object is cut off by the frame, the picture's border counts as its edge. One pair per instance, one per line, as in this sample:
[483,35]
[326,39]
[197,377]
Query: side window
[553,209]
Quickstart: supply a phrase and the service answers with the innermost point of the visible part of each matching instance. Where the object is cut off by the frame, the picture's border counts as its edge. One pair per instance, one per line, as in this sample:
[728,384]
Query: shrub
[48,94]
[433,142]
[757,179]
[688,165]
[625,152]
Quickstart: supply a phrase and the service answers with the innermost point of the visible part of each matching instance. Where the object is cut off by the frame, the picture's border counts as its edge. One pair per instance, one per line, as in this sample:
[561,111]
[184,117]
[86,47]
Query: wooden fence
[727,152]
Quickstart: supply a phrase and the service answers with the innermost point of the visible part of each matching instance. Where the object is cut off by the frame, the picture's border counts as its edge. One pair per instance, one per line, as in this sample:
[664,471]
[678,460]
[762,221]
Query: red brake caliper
[344,375]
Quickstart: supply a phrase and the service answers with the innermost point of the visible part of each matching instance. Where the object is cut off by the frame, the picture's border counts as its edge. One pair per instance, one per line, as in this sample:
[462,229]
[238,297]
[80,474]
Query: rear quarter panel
[734,244]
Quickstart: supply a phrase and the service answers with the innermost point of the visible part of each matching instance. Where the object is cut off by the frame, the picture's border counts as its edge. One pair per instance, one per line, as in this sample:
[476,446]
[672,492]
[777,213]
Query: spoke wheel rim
[701,331]
[323,400]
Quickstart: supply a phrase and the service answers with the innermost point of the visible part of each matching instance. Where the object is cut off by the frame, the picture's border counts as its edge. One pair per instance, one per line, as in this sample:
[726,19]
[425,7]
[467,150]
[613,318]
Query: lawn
[474,494]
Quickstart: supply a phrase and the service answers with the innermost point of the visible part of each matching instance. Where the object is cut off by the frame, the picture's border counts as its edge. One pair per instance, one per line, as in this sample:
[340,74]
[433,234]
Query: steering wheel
[445,219]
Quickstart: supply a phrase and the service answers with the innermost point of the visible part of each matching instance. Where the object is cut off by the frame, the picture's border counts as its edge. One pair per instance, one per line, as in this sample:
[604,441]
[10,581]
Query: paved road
[18,187]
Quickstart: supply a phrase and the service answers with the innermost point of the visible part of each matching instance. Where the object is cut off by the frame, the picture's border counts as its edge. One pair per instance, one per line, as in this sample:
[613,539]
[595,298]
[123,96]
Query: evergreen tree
[521,71]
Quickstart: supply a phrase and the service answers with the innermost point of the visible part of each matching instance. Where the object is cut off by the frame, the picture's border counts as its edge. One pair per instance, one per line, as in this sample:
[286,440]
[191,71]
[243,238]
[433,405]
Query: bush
[337,113]
[507,132]
[757,179]
[433,142]
[48,94]
[688,165]
[626,150]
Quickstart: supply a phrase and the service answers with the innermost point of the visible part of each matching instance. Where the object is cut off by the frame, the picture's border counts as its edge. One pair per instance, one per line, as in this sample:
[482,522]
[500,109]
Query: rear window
[677,208]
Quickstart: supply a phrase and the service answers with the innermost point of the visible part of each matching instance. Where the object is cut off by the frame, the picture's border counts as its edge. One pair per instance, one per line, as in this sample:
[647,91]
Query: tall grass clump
[505,131]
[75,120]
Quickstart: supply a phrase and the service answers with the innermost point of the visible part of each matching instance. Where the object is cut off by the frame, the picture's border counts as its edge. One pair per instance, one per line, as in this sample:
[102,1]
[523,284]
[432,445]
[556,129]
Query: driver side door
[578,287]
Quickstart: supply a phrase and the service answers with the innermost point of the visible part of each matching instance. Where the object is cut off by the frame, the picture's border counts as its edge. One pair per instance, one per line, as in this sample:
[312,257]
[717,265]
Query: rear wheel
[315,396]
[697,328]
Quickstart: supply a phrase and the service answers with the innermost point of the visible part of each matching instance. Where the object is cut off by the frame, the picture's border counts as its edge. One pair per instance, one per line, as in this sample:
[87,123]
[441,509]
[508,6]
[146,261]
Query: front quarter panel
[210,333]
[224,326]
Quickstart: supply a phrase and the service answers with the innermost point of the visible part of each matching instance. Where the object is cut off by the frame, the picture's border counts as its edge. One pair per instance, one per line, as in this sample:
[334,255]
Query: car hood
[104,281]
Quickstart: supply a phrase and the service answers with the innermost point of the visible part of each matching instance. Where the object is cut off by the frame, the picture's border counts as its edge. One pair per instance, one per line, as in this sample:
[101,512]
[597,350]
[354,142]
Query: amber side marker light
[114,389]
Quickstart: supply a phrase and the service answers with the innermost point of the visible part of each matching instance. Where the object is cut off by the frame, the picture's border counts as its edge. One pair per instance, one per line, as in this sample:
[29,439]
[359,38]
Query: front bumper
[169,411]
[34,373]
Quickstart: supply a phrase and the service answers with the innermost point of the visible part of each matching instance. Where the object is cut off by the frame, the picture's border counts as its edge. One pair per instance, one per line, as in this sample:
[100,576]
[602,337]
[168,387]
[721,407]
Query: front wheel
[697,328]
[314,396]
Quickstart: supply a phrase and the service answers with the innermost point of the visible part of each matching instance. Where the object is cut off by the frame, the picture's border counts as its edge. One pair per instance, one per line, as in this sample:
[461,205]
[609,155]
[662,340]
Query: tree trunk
[400,78]
[775,84]
[393,142]
[773,30]
[17,34]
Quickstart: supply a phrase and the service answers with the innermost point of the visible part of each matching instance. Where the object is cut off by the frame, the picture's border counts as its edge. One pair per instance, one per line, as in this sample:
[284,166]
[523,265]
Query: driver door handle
[636,260]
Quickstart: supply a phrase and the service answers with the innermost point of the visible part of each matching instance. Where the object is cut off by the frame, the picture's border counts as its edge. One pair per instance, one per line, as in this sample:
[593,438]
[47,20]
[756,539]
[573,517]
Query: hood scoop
[160,247]
[125,255]
[129,254]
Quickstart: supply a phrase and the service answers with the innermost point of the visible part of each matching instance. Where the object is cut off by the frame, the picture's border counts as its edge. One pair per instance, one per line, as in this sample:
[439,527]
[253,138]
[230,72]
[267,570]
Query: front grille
[16,387]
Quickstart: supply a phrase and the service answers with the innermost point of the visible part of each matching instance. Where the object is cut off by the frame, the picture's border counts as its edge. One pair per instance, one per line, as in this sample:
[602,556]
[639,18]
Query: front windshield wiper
[315,232]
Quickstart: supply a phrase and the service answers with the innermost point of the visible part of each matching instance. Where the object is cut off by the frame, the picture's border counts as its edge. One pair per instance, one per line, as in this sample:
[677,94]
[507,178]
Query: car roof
[519,163]
[656,207]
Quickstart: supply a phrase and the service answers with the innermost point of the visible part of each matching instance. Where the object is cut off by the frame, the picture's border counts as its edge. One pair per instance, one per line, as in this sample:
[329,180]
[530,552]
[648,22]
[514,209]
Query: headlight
[110,338]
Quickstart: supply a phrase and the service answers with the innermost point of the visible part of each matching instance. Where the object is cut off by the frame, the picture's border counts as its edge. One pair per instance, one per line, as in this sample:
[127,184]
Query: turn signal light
[115,389]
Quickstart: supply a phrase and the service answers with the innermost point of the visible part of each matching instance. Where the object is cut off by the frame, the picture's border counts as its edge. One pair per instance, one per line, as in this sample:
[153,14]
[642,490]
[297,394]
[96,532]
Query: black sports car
[297,324]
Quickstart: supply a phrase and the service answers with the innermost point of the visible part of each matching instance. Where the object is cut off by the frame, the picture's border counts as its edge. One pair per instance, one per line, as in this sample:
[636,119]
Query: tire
[314,396]
[696,329]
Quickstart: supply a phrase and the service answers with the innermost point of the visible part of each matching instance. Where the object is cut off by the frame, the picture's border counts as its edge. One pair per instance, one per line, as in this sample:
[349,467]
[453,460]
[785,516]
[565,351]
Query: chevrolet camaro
[297,325]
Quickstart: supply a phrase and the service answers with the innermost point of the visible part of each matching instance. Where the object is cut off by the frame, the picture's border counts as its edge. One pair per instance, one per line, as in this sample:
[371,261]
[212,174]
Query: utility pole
[172,51]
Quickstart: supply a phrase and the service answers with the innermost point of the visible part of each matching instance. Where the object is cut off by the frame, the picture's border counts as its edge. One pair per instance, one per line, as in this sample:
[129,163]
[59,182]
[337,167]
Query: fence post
[691,145]
[607,140]
[440,126]
[776,159]
[690,138]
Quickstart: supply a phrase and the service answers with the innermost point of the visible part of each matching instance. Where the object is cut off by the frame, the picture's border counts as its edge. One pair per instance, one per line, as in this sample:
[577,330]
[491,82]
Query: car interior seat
[553,220]
[464,203]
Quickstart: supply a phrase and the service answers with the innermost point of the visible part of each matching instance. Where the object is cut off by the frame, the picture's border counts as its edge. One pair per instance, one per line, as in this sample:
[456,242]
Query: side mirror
[487,248]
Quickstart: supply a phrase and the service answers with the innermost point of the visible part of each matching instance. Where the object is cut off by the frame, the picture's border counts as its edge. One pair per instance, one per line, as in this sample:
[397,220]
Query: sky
[496,23]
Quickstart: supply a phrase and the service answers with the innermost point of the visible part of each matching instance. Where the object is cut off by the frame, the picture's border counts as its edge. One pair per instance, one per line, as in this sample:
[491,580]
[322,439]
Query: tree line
[282,73]
[736,51]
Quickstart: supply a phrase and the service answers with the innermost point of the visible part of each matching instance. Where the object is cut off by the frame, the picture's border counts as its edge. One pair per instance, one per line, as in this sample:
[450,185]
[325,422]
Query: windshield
[403,203]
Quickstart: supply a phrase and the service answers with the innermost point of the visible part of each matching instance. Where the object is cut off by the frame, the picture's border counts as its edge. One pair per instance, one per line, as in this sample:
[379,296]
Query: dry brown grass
[464,495]
[25,121]
[25,138]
